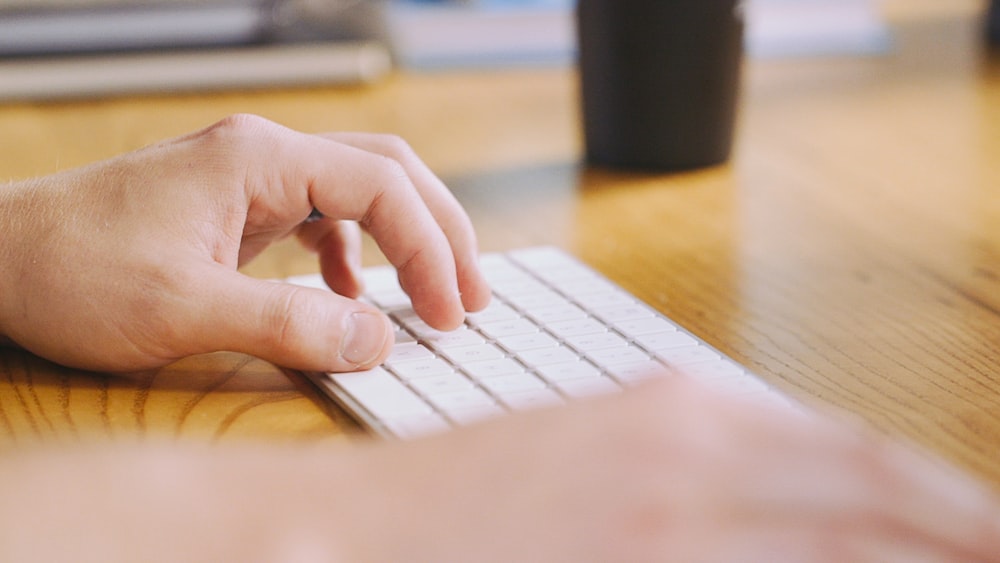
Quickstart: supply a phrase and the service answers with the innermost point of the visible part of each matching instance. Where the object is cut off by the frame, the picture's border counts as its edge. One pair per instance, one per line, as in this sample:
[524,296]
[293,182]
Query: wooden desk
[849,254]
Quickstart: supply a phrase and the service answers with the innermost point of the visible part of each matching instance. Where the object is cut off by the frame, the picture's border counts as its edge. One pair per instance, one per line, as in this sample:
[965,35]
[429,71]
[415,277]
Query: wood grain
[849,252]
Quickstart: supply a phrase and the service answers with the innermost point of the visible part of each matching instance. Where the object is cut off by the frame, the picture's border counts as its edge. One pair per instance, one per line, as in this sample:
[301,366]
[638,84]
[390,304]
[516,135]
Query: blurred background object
[993,23]
[78,48]
[432,34]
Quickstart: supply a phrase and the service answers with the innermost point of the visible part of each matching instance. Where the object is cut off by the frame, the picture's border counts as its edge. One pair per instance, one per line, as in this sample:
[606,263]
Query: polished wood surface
[849,253]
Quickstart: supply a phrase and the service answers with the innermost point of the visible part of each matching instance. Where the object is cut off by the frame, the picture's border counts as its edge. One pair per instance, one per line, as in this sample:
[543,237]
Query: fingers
[338,244]
[419,227]
[295,327]
[381,196]
[892,498]
[443,206]
[836,489]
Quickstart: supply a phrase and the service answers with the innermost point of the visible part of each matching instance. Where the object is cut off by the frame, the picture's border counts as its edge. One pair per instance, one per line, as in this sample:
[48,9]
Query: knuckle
[394,172]
[396,147]
[238,130]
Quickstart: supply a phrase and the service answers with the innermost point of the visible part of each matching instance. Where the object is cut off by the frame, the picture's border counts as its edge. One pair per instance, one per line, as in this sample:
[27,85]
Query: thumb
[292,326]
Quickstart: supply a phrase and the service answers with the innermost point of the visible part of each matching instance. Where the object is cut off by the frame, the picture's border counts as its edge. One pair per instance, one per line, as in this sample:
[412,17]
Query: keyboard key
[547,356]
[663,340]
[408,352]
[644,325]
[599,341]
[574,328]
[472,398]
[425,367]
[438,384]
[687,355]
[492,368]
[588,387]
[494,312]
[455,339]
[525,342]
[509,327]
[533,399]
[479,353]
[506,384]
[556,312]
[577,369]
[637,372]
[381,393]
[619,355]
[617,314]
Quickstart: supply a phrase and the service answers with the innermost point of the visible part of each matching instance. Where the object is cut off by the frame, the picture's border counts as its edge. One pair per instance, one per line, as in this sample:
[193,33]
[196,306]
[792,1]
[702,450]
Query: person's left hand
[132,263]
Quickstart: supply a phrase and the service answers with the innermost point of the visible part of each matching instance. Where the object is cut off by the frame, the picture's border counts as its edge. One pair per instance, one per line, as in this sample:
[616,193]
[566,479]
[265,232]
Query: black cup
[659,81]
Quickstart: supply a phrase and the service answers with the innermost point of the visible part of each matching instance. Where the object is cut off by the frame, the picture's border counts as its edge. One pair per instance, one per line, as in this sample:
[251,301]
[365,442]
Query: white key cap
[568,370]
[599,341]
[573,328]
[422,368]
[663,340]
[548,356]
[587,387]
[533,399]
[496,311]
[455,338]
[561,312]
[638,371]
[509,327]
[585,288]
[390,300]
[438,384]
[408,352]
[645,325]
[381,393]
[461,400]
[713,369]
[607,299]
[686,355]
[492,368]
[617,314]
[515,287]
[402,337]
[523,342]
[529,301]
[507,384]
[620,355]
[478,353]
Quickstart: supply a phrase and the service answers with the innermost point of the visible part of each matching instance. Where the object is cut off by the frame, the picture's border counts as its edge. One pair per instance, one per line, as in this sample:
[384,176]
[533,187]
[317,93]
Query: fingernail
[364,338]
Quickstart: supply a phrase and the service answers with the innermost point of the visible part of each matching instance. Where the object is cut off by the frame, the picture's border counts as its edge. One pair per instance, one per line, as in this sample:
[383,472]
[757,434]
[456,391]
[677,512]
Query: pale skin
[665,472]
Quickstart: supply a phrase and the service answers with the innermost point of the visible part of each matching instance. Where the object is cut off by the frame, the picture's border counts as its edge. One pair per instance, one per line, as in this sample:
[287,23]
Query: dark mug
[659,81]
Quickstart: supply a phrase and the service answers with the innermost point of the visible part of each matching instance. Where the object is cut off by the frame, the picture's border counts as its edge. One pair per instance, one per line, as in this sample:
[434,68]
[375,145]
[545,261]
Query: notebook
[555,331]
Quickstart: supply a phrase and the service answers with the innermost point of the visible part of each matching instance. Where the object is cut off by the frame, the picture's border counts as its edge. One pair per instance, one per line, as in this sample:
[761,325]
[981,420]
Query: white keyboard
[556,330]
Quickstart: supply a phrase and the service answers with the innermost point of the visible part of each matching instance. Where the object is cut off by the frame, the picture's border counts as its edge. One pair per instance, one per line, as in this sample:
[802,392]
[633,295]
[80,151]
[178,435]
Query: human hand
[132,263]
[671,472]
[668,472]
